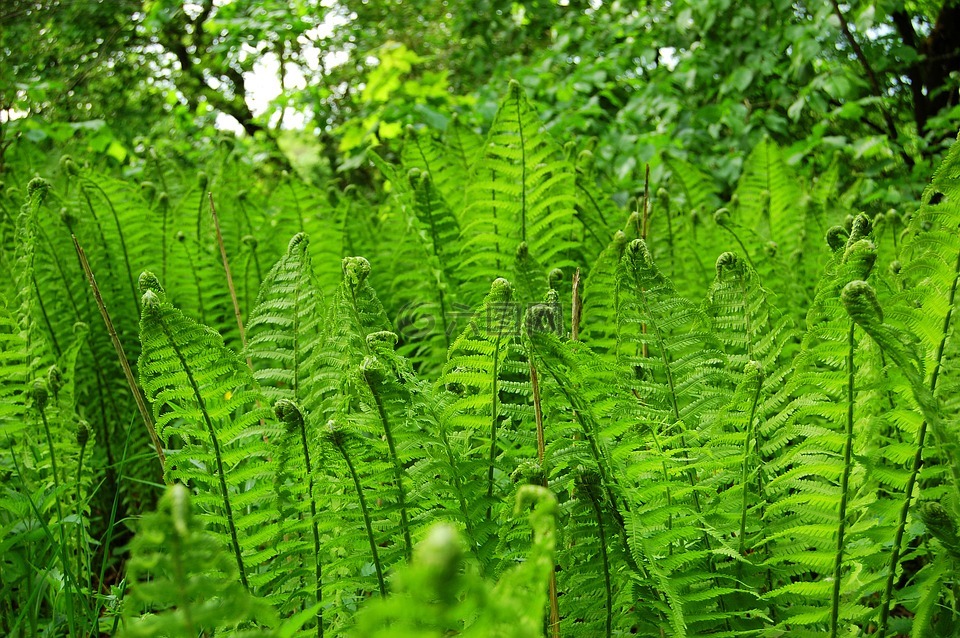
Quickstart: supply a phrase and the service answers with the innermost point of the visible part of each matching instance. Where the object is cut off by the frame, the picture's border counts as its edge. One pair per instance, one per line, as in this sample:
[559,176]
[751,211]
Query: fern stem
[230,286]
[121,355]
[523,173]
[81,553]
[554,624]
[576,307]
[46,317]
[844,484]
[917,461]
[598,512]
[228,510]
[744,471]
[494,418]
[318,569]
[395,461]
[342,448]
[195,271]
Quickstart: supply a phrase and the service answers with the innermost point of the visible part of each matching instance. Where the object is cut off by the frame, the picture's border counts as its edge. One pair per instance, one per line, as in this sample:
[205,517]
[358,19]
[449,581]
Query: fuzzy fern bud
[545,317]
[37,189]
[942,526]
[372,370]
[554,278]
[860,257]
[663,195]
[722,216]
[289,414]
[860,228]
[163,200]
[39,394]
[860,300]
[202,180]
[440,558]
[334,434]
[382,340]
[150,302]
[529,472]
[501,291]
[83,433]
[587,482]
[249,240]
[149,190]
[895,267]
[149,281]
[729,265]
[837,237]
[640,260]
[298,243]
[771,248]
[181,237]
[54,380]
[620,239]
[67,218]
[753,372]
[177,500]
[68,166]
[355,271]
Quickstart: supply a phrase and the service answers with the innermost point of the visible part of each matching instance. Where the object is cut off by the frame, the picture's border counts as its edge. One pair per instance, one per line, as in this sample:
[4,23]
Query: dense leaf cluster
[741,423]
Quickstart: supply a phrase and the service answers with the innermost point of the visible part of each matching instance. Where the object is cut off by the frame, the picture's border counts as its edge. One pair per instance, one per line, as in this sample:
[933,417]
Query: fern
[210,413]
[439,594]
[521,190]
[182,575]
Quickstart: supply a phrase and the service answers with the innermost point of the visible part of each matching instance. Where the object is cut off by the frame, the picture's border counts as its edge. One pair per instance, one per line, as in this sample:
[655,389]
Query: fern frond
[216,422]
[521,190]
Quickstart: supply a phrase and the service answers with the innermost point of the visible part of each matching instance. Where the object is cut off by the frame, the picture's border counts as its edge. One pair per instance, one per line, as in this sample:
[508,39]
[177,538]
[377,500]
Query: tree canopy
[874,81]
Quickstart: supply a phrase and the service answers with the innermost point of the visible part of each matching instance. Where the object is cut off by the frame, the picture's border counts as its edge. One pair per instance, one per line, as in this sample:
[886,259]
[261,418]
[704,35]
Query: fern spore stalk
[121,355]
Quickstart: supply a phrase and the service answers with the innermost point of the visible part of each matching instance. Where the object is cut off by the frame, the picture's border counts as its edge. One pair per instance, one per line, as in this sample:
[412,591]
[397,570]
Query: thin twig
[645,226]
[127,371]
[576,307]
[541,455]
[230,286]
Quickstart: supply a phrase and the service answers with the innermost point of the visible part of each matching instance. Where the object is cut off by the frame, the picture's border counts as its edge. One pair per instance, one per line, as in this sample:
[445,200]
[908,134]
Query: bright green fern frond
[284,329]
[521,190]
[666,341]
[768,196]
[215,422]
[488,413]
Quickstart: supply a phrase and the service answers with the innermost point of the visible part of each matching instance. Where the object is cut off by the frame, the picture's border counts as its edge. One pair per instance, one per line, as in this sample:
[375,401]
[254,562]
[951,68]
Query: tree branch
[871,78]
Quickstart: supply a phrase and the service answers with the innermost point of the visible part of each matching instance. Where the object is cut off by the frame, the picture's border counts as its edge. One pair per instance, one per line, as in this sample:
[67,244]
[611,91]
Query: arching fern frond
[210,413]
[521,190]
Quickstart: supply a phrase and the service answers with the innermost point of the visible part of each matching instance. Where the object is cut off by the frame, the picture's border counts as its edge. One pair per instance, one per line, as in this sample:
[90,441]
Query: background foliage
[655,337]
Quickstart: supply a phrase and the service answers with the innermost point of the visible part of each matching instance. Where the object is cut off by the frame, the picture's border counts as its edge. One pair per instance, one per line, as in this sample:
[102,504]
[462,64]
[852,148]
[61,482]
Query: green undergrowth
[483,401]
